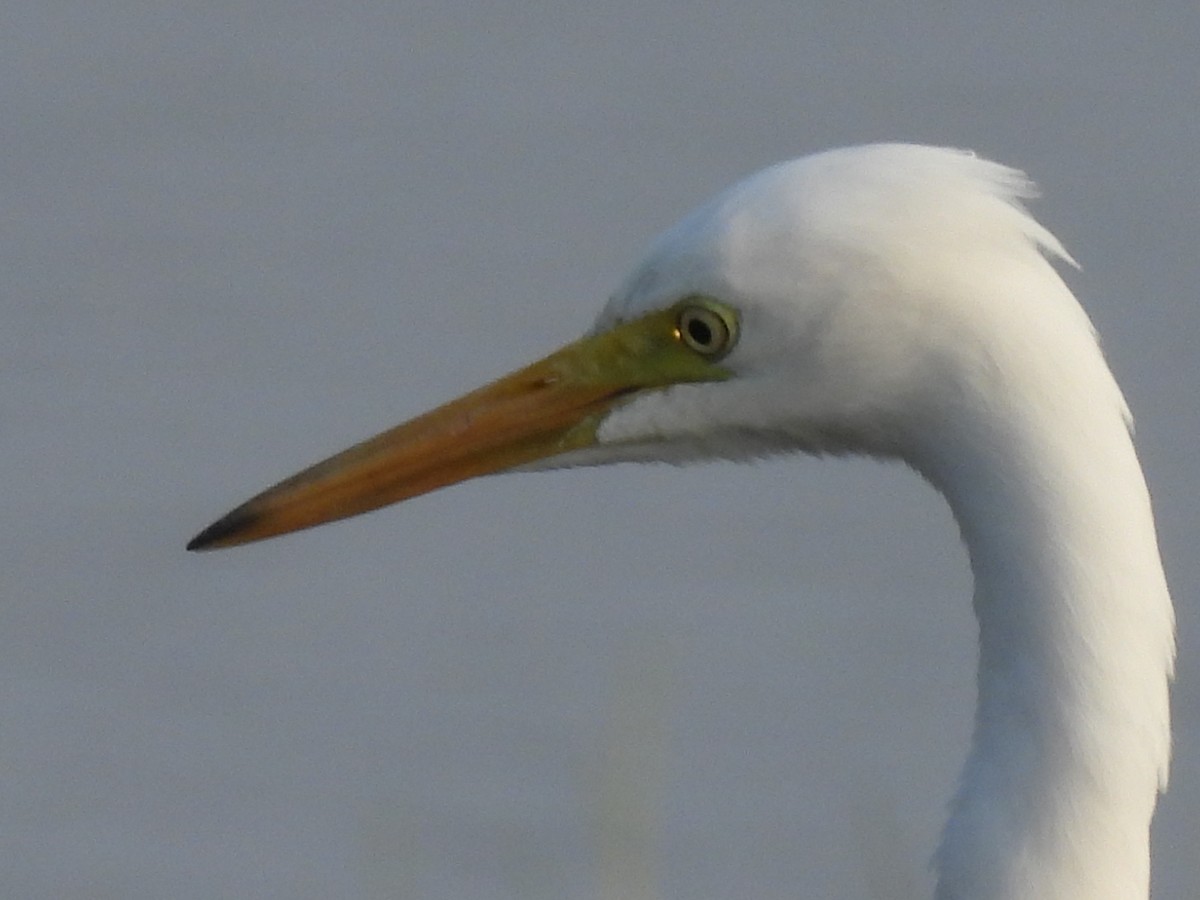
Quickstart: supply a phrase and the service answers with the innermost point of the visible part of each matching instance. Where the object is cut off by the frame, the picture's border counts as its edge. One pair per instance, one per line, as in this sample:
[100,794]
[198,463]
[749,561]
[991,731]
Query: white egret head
[860,300]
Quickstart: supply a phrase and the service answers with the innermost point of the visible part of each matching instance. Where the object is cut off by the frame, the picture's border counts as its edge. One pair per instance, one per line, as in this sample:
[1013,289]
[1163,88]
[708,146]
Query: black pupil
[700,332]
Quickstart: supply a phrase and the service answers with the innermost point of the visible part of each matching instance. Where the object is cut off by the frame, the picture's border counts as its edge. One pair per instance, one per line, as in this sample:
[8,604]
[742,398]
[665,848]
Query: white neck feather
[898,301]
[1072,737]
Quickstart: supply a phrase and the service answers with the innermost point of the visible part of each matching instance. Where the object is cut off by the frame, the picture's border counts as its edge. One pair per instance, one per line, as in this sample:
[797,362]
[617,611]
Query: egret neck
[1071,739]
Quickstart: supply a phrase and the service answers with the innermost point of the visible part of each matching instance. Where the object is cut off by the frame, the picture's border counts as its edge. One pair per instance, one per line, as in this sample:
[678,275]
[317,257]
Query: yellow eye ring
[706,327]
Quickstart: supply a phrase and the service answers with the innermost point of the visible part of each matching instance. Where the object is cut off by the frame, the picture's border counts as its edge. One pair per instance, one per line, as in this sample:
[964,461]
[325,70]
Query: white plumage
[896,300]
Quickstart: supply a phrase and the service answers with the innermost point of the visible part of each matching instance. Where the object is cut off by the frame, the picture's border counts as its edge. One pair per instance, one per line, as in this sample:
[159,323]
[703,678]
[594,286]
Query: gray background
[238,236]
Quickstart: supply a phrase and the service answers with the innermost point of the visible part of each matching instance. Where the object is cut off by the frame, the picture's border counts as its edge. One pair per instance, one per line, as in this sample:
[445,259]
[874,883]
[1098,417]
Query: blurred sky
[238,236]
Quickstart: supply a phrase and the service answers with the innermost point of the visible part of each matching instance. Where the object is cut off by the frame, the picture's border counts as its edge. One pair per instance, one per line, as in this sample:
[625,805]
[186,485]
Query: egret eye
[707,328]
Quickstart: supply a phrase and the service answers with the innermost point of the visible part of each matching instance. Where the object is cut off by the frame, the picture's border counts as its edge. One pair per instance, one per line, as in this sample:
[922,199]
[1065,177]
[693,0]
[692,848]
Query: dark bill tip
[224,531]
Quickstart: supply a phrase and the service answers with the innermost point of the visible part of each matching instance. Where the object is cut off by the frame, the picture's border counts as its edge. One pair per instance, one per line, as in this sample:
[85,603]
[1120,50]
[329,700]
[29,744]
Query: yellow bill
[548,408]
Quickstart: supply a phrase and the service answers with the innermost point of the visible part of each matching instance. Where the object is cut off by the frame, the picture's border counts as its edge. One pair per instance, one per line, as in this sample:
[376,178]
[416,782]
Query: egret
[896,301]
